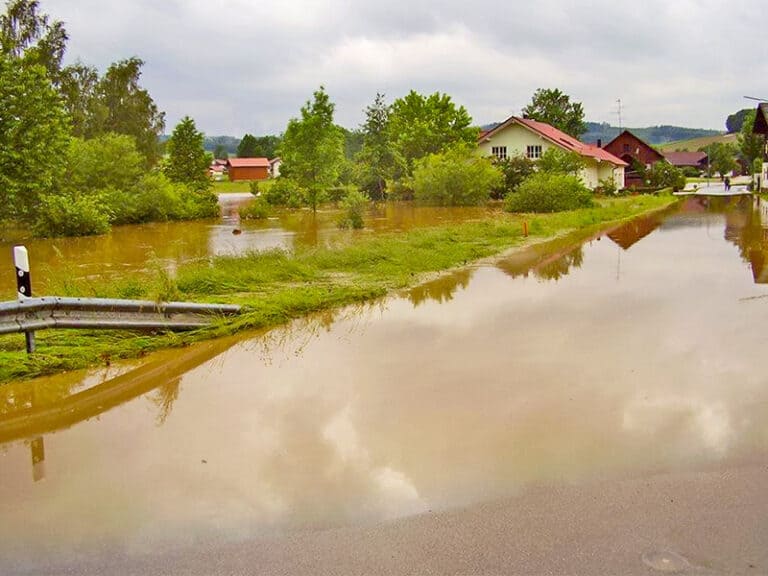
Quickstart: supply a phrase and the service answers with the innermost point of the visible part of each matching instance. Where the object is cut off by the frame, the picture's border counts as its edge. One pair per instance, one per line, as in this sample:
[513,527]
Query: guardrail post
[24,286]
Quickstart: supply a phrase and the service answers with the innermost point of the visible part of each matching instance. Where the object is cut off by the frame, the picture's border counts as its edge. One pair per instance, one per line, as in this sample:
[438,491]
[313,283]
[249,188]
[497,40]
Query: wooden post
[24,286]
[525,228]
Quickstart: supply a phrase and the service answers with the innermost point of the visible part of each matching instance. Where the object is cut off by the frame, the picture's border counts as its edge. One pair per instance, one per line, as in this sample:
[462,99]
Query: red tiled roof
[559,138]
[685,158]
[248,162]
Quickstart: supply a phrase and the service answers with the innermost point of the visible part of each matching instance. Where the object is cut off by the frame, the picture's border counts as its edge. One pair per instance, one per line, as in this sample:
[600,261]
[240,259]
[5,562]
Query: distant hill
[651,135]
[695,144]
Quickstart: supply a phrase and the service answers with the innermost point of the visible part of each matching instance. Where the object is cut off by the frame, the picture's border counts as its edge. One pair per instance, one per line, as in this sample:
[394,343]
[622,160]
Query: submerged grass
[276,286]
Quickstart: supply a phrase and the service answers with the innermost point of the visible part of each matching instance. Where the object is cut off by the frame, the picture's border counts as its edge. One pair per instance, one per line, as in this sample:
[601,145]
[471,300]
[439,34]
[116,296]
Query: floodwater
[638,352]
[165,245]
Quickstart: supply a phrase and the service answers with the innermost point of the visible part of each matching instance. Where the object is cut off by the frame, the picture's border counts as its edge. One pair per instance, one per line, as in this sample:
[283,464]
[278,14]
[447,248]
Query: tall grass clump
[259,209]
[353,205]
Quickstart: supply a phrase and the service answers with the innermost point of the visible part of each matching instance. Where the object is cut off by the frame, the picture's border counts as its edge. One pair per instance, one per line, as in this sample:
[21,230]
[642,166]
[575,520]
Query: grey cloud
[238,65]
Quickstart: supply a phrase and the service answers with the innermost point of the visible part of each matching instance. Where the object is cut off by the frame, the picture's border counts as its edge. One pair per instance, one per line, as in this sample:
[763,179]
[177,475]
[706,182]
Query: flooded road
[166,245]
[637,353]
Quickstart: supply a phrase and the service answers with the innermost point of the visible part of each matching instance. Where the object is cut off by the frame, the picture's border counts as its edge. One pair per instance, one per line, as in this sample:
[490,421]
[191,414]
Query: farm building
[631,149]
[248,169]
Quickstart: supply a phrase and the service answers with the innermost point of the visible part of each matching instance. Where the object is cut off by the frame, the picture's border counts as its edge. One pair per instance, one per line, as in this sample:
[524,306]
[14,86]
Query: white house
[274,167]
[521,136]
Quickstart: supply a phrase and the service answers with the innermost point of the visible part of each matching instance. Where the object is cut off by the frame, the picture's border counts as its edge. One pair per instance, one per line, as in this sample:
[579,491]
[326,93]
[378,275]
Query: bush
[691,172]
[664,175]
[156,199]
[354,206]
[547,192]
[455,177]
[400,189]
[607,187]
[256,210]
[515,169]
[337,194]
[283,192]
[68,216]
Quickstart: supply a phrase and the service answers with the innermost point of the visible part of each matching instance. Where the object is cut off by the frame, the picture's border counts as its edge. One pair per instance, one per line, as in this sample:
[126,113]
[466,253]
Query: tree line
[79,150]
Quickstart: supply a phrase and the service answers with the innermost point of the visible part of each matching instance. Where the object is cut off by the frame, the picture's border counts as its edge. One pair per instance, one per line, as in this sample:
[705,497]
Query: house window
[626,147]
[533,152]
[499,151]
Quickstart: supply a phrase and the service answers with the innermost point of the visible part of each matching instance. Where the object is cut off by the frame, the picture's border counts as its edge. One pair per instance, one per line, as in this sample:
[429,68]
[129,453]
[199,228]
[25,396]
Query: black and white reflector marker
[24,285]
[23,281]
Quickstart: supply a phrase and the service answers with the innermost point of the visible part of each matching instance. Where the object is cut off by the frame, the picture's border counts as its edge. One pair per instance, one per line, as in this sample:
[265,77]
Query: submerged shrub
[283,192]
[68,216]
[156,199]
[256,210]
[354,206]
[515,169]
[455,177]
[548,192]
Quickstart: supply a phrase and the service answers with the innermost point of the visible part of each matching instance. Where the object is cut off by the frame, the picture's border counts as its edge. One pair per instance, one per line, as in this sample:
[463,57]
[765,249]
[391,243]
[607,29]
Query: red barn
[248,168]
[631,149]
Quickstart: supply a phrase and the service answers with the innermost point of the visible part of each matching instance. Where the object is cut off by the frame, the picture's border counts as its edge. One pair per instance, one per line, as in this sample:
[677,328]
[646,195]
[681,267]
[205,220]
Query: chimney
[599,143]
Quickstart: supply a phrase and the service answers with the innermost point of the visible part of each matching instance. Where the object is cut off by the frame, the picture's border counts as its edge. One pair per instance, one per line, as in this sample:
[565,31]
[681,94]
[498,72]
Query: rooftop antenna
[619,112]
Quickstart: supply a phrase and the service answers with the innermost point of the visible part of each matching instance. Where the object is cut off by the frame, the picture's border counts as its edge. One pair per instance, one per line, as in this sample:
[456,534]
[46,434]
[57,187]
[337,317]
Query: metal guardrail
[32,314]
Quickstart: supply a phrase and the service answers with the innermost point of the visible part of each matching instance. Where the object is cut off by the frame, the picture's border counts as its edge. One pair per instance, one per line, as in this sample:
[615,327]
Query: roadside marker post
[24,286]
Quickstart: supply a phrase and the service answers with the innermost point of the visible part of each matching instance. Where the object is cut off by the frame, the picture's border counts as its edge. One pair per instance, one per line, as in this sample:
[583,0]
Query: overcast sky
[239,66]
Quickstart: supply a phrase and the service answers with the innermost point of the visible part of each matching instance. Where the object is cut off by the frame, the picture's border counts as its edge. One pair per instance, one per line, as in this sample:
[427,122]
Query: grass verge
[276,286]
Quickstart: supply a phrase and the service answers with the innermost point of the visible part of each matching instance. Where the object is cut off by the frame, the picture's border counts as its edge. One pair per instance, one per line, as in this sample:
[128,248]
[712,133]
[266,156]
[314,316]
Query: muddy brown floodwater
[638,353]
[166,245]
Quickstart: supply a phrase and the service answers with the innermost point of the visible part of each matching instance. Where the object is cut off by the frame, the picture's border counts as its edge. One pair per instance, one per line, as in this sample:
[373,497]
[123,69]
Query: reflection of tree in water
[292,339]
[560,267]
[164,398]
[442,289]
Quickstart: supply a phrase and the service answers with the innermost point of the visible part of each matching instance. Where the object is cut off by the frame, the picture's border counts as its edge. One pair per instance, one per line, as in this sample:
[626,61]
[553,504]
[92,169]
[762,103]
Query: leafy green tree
[422,125]
[262,147]
[455,177]
[554,107]
[33,137]
[266,146]
[663,175]
[220,152]
[187,161]
[313,148]
[377,160]
[722,157]
[734,122]
[79,88]
[750,145]
[559,161]
[28,36]
[107,161]
[247,147]
[129,109]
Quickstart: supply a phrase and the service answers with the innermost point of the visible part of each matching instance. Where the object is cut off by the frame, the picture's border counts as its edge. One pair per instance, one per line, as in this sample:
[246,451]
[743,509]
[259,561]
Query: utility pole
[619,112]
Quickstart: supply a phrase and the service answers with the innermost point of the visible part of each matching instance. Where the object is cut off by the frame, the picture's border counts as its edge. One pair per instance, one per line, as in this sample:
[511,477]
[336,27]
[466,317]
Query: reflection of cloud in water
[680,423]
